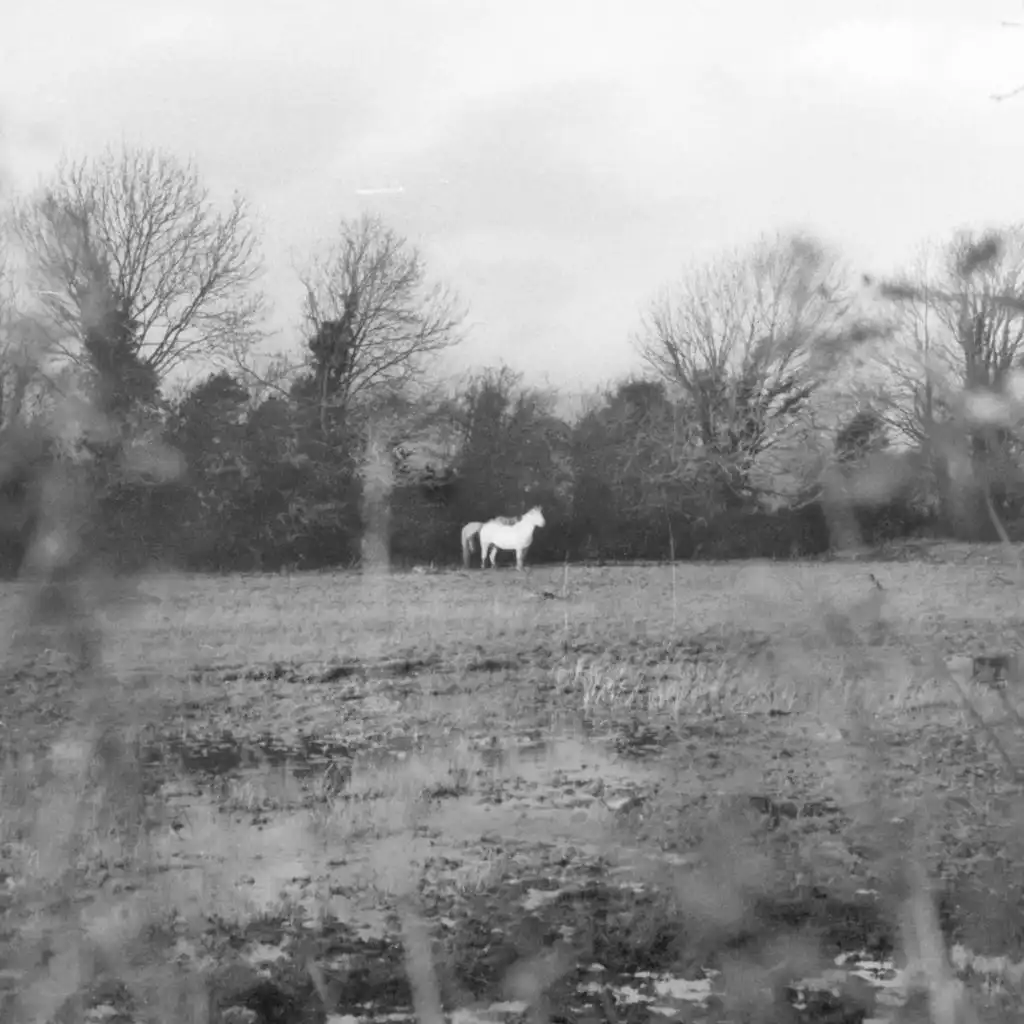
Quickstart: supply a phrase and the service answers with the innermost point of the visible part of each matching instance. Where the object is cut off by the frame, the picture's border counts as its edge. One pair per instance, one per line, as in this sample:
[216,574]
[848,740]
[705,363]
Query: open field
[621,794]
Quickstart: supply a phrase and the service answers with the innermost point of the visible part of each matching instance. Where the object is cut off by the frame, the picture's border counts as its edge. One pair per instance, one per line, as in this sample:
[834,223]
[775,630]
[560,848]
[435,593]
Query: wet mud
[310,809]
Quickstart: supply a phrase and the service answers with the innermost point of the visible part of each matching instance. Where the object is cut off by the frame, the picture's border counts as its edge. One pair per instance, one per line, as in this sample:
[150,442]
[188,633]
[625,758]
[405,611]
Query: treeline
[263,489]
[778,410]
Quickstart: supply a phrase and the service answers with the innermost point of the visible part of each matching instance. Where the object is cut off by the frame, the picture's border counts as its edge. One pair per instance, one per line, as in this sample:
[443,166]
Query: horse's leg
[522,555]
[519,559]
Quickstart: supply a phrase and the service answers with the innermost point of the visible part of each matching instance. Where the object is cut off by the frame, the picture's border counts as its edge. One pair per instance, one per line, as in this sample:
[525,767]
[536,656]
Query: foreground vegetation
[722,792]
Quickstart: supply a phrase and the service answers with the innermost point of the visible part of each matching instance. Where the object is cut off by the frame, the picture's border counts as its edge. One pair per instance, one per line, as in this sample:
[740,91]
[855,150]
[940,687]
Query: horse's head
[536,516]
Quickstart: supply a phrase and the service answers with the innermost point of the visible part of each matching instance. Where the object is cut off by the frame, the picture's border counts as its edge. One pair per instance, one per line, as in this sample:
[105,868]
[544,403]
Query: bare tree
[981,303]
[374,322]
[747,340]
[965,309]
[24,348]
[181,271]
[961,323]
[911,376]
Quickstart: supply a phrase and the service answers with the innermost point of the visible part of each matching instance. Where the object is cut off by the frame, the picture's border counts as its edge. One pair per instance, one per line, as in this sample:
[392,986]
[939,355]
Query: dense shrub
[786,533]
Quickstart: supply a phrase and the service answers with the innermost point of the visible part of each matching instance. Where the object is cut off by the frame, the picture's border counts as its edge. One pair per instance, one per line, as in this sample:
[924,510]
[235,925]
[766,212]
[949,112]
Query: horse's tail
[467,542]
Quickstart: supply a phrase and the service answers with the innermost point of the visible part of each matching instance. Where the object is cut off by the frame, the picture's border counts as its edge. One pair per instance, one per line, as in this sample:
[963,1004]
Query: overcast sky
[560,160]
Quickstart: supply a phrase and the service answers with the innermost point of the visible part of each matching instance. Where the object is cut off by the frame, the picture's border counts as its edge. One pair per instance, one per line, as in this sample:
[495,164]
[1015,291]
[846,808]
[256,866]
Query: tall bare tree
[180,270]
[960,310]
[982,303]
[909,377]
[374,322]
[747,339]
[961,320]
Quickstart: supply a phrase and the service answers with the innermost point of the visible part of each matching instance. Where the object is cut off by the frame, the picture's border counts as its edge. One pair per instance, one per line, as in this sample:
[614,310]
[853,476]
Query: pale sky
[559,161]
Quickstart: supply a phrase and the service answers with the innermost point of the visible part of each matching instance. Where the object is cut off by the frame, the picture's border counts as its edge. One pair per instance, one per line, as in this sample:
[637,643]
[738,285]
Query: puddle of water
[562,790]
[660,993]
[349,858]
[668,995]
[350,861]
[572,761]
[352,868]
[227,753]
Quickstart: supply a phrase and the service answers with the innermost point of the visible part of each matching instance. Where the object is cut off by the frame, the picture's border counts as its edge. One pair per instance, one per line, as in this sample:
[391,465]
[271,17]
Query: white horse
[470,533]
[516,536]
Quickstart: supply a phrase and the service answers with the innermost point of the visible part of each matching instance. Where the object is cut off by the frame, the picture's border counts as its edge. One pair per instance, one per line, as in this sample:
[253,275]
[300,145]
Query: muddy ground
[621,794]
